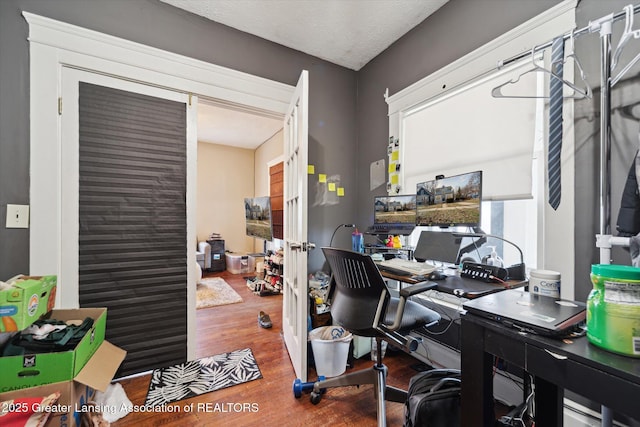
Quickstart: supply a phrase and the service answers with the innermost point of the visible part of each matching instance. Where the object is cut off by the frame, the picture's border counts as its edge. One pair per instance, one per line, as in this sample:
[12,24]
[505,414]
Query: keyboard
[404,267]
[391,229]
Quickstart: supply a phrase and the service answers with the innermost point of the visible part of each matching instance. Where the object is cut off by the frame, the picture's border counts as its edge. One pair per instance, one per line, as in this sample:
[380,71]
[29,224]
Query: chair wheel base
[315,397]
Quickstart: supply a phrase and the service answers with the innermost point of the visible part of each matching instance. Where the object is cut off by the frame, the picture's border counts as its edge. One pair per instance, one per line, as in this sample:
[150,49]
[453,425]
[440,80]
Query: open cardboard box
[30,370]
[96,375]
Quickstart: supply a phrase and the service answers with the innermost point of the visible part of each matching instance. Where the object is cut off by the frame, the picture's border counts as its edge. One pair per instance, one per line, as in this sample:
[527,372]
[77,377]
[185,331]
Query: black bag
[433,399]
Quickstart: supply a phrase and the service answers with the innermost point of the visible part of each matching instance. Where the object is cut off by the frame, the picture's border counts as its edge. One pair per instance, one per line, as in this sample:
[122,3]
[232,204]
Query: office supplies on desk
[403,267]
[529,312]
[484,272]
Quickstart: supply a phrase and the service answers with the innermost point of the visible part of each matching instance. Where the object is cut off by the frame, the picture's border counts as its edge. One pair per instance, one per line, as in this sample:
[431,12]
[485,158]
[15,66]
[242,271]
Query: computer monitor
[400,209]
[451,201]
[258,222]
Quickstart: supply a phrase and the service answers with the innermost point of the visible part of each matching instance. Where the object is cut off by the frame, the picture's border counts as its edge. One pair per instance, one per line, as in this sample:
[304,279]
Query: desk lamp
[338,228]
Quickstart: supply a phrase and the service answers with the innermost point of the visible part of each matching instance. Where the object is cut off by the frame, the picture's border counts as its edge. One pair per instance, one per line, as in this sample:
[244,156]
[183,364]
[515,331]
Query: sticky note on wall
[322,177]
[331,186]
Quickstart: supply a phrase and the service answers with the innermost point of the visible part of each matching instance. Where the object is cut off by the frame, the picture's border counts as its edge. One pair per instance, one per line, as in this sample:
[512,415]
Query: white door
[295,305]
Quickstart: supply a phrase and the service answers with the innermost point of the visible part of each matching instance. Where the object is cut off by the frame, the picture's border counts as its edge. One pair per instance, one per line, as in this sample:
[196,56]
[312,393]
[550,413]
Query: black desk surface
[462,286]
[577,365]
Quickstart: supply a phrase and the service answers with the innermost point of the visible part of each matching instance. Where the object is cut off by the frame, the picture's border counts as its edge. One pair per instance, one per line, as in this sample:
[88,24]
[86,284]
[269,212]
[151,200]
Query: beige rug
[214,291]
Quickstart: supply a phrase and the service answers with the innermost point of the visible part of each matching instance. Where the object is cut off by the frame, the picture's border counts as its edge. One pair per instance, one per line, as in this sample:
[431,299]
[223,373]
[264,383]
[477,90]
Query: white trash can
[330,346]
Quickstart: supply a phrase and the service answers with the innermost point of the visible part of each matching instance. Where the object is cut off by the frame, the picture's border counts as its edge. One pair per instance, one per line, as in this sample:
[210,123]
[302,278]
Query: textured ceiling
[225,126]
[346,32]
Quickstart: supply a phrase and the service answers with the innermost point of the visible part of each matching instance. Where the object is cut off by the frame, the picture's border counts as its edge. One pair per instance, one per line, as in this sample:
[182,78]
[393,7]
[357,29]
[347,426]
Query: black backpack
[433,399]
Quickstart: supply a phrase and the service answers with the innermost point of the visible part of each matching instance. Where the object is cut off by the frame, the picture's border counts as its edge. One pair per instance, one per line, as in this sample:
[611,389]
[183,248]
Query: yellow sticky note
[395,155]
[311,169]
[340,191]
[392,167]
[322,177]
[394,179]
[332,186]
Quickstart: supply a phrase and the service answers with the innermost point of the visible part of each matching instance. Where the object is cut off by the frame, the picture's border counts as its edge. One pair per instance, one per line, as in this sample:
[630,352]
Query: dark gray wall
[332,129]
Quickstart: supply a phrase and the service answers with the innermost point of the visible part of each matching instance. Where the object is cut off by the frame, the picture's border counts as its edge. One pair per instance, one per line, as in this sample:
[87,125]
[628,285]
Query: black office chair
[362,305]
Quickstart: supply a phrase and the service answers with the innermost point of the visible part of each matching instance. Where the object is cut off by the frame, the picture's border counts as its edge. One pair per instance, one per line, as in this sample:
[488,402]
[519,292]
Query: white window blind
[467,129]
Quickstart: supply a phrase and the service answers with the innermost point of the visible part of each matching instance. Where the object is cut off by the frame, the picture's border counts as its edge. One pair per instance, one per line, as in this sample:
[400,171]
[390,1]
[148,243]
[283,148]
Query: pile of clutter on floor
[268,279]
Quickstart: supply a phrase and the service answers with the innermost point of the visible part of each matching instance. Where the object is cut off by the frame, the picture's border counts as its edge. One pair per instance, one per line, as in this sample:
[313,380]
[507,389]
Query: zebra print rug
[201,376]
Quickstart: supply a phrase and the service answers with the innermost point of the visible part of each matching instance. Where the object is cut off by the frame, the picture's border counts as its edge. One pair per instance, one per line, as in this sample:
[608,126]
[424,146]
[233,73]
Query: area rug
[214,291]
[201,376]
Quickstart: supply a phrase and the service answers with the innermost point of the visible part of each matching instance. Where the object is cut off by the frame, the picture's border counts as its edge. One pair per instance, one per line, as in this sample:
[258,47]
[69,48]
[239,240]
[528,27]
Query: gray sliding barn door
[133,226]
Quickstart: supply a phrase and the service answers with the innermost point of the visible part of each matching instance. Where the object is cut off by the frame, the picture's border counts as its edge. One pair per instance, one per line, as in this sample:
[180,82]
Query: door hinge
[60,106]
[190,99]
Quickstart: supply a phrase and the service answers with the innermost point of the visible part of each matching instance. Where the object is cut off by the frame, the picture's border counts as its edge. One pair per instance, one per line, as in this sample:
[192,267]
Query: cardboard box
[238,263]
[96,375]
[29,298]
[32,370]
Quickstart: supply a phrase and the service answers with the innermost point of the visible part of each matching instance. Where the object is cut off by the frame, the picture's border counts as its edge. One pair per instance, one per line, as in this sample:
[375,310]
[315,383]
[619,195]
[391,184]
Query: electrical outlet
[17,216]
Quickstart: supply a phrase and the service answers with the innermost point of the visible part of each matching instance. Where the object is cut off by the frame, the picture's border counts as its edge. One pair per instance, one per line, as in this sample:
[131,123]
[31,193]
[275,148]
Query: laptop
[540,314]
[440,246]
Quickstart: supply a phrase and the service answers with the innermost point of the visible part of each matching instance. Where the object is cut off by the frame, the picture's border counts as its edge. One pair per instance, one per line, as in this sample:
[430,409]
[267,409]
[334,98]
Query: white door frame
[54,45]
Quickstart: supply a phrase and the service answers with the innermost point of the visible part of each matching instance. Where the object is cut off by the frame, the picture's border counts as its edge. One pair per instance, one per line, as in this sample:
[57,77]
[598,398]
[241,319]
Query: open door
[295,304]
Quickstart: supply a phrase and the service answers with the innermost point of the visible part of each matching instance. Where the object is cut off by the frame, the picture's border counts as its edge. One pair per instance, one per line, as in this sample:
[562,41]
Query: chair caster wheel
[297,388]
[316,397]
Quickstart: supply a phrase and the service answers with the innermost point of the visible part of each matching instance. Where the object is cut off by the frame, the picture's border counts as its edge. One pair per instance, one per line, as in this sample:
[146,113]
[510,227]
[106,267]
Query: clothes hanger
[578,92]
[587,89]
[627,35]
[496,92]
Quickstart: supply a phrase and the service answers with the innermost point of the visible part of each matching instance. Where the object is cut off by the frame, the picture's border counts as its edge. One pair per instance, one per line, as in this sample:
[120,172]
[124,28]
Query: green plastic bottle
[613,309]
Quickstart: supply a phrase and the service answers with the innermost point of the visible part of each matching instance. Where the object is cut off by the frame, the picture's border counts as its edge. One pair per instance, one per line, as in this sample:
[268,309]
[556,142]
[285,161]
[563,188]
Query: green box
[32,370]
[29,298]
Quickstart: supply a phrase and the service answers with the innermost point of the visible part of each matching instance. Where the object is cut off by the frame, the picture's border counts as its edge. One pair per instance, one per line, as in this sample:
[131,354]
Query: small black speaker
[517,272]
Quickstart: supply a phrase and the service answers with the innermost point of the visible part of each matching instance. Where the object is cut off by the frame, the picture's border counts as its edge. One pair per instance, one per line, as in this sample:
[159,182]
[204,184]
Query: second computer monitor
[391,210]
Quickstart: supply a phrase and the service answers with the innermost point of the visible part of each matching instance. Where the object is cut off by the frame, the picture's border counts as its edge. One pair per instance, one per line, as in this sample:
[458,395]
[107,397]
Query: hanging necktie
[555,122]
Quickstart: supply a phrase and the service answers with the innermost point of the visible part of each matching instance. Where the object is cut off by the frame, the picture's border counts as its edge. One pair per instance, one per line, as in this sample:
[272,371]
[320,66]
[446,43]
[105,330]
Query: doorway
[106,55]
[236,147]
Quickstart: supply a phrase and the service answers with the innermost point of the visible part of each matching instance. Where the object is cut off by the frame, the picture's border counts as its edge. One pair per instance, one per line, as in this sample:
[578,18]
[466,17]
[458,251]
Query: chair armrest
[417,288]
[404,294]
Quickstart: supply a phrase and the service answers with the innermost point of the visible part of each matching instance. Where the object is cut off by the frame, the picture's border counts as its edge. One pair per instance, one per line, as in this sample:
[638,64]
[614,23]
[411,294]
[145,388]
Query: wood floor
[268,401]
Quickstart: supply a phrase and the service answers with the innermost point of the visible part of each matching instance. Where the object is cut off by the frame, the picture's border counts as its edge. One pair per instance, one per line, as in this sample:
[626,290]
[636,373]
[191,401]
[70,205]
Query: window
[547,238]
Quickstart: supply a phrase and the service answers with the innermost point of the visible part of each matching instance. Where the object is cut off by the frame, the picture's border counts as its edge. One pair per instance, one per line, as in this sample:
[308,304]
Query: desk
[462,286]
[585,369]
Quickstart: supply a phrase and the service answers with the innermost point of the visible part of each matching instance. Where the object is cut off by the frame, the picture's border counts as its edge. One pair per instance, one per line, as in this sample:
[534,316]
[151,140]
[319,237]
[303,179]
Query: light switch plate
[17,216]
